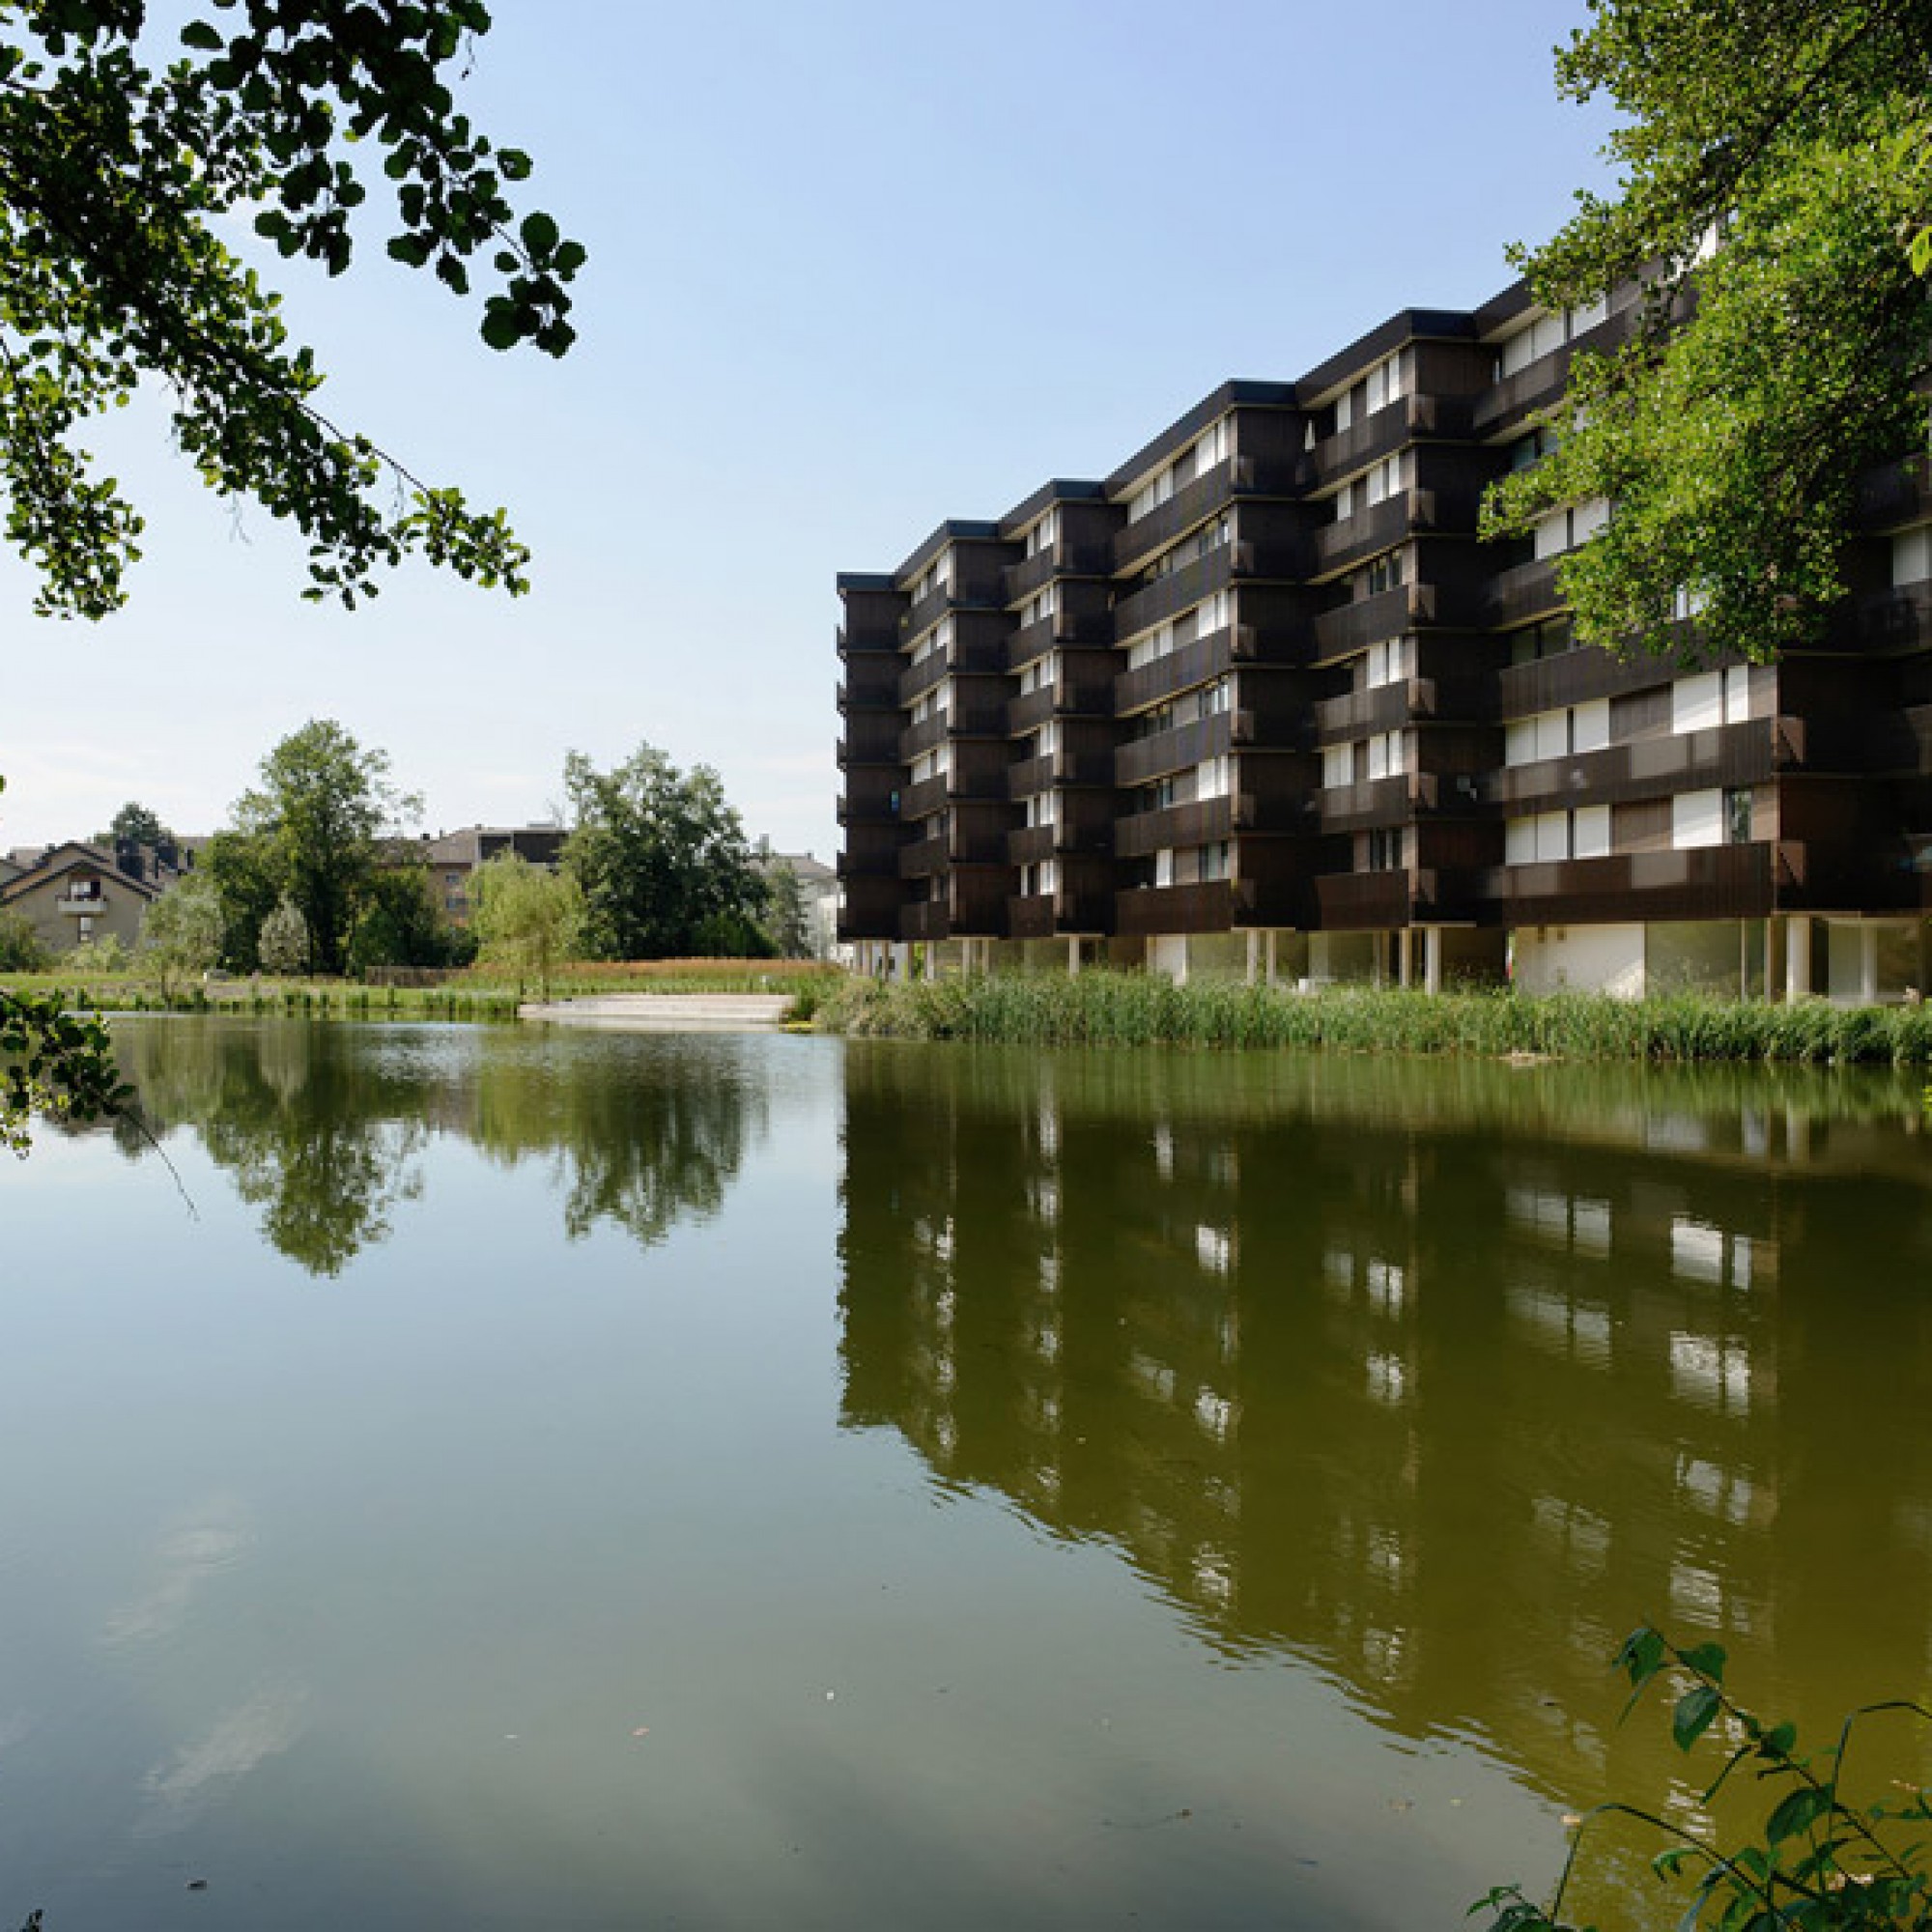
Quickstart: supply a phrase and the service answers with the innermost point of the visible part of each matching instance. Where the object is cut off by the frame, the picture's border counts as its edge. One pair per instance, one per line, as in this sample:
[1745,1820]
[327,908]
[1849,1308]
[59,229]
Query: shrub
[1819,1862]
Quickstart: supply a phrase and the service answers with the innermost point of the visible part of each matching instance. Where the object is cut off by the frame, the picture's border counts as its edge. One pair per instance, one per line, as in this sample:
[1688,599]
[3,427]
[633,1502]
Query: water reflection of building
[1375,1365]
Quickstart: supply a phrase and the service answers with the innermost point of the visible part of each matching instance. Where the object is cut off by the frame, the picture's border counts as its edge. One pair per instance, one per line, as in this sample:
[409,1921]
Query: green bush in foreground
[1106,1008]
[1819,1864]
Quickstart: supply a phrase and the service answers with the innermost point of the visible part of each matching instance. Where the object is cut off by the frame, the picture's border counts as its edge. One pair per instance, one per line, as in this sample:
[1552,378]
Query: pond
[496,1478]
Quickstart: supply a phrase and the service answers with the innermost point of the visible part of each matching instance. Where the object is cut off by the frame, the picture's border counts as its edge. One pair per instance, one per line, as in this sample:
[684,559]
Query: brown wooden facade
[1266,678]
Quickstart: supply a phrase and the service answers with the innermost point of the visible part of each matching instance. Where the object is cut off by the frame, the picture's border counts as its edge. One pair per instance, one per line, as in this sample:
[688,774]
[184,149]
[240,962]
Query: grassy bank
[1100,1009]
[477,994]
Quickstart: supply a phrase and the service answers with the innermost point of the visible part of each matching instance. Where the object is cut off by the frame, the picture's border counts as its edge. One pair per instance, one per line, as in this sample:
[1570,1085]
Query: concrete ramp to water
[665,1012]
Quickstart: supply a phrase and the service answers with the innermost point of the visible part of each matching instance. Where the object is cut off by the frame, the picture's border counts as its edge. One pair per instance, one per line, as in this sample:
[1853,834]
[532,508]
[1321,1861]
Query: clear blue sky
[854,268]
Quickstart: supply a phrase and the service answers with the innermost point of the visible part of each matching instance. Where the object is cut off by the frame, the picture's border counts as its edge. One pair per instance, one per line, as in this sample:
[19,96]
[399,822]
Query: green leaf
[539,232]
[501,327]
[1707,1660]
[1693,1717]
[1798,1811]
[200,34]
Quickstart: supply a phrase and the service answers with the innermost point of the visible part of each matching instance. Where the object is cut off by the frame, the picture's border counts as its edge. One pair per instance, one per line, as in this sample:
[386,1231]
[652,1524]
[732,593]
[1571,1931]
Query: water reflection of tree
[640,1137]
[321,1141]
[323,1126]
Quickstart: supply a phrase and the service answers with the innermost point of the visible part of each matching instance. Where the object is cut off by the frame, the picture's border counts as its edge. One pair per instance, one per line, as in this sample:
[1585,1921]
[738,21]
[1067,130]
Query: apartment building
[1261,703]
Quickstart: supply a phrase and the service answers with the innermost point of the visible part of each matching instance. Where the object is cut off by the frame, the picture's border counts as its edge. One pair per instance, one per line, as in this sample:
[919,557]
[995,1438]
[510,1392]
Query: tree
[312,833]
[114,176]
[786,920]
[526,920]
[240,865]
[402,922]
[117,180]
[182,932]
[23,950]
[134,824]
[1777,158]
[284,945]
[660,857]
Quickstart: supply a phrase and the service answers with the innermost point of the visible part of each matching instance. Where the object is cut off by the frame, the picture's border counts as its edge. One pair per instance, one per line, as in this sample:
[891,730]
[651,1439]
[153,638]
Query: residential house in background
[76,893]
[1261,703]
[452,856]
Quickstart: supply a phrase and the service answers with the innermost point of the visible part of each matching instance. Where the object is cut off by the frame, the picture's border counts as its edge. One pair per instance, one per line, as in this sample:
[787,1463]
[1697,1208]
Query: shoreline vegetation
[481,995]
[1109,1008]
[1100,1007]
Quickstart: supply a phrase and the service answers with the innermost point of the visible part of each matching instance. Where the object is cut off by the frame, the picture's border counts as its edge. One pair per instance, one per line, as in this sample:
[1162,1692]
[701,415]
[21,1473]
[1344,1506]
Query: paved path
[665,1012]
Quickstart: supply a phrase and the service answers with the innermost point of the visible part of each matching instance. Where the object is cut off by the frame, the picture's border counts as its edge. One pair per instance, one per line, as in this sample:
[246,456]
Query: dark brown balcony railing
[1709,882]
[1439,417]
[1362,901]
[1019,581]
[1525,591]
[977,656]
[1543,382]
[1724,755]
[1171,750]
[1140,833]
[1576,677]
[1200,908]
[1387,707]
[1213,490]
[1190,664]
[1368,621]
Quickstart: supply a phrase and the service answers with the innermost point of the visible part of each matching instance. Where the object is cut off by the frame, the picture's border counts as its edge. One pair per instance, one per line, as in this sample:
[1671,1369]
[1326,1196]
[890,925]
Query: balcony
[1362,901]
[1353,807]
[964,657]
[1171,750]
[1386,707]
[869,687]
[1896,492]
[928,921]
[1062,698]
[1063,627]
[1544,381]
[1165,909]
[1710,882]
[1406,420]
[1368,620]
[1194,502]
[1524,592]
[1725,756]
[1019,581]
[1094,768]
[79,904]
[1181,670]
[1140,834]
[1576,677]
[873,740]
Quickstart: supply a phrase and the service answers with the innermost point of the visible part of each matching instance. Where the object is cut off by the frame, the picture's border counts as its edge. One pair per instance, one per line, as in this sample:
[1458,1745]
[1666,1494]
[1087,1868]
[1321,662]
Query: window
[1214,859]
[1557,734]
[1738,816]
[1389,663]
[1549,837]
[1385,848]
[1697,818]
[1043,535]
[1384,574]
[1711,699]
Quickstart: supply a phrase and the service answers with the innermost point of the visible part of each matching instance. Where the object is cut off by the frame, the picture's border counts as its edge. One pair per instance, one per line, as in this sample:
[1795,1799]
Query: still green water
[550,1479]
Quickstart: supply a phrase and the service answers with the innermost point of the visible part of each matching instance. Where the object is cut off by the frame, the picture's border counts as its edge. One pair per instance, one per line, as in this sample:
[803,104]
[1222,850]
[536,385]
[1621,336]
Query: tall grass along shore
[1104,1008]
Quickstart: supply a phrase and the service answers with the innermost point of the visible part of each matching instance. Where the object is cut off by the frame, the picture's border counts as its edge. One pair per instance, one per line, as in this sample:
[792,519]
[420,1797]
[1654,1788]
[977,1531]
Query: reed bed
[1104,1008]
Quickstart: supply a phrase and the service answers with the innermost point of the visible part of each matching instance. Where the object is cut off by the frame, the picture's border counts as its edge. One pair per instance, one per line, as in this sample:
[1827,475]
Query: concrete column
[1405,957]
[1868,964]
[1254,955]
[1270,955]
[1431,958]
[1073,958]
[1797,956]
[1774,960]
